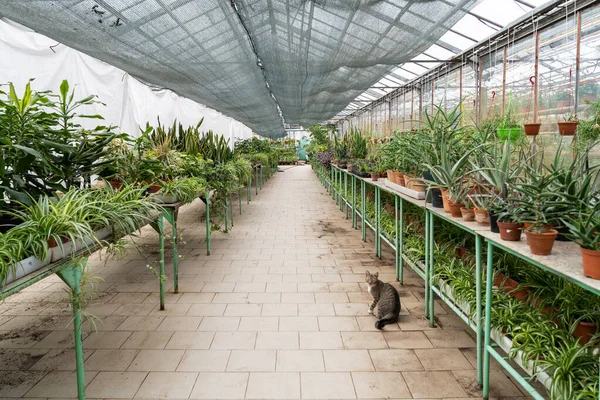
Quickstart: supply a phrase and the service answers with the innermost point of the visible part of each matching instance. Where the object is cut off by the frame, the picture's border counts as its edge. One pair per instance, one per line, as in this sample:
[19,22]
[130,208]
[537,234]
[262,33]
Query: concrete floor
[278,311]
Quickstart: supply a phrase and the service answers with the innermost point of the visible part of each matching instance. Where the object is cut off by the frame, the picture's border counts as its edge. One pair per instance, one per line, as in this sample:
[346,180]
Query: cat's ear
[376,274]
[367,273]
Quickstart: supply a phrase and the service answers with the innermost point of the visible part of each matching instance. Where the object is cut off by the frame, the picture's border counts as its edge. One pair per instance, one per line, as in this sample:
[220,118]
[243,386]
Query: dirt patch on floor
[329,228]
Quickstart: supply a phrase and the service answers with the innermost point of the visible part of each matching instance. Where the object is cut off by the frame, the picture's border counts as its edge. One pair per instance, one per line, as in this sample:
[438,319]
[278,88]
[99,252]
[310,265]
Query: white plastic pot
[25,267]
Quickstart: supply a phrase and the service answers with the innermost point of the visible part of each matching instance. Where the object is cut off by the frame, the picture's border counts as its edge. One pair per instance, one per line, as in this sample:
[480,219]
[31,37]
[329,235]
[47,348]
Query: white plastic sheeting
[129,103]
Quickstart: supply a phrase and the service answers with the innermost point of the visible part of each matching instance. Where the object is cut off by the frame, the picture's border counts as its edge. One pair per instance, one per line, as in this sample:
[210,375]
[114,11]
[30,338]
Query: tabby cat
[385,297]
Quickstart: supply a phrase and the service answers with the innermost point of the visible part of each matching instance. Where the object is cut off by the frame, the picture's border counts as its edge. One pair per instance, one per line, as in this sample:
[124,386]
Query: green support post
[159,226]
[353,201]
[478,304]
[249,189]
[226,214]
[332,182]
[230,208]
[431,267]
[340,192]
[488,320]
[363,194]
[400,221]
[427,250]
[72,277]
[346,192]
[170,214]
[256,180]
[240,199]
[208,222]
[377,221]
[261,178]
[396,238]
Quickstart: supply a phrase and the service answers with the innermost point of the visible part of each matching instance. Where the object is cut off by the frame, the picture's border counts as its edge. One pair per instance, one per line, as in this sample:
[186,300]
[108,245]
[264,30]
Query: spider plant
[184,190]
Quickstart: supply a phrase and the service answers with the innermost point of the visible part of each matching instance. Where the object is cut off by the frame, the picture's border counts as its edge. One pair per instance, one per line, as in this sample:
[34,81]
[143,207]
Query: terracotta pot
[374,177]
[445,200]
[115,183]
[482,217]
[541,243]
[510,286]
[391,176]
[567,128]
[408,181]
[585,331]
[591,263]
[401,181]
[390,209]
[370,196]
[532,129]
[460,252]
[418,185]
[455,209]
[510,231]
[468,214]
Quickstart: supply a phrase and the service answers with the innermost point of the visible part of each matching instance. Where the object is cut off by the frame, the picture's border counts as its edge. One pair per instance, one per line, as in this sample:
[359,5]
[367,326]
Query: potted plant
[509,227]
[585,231]
[509,128]
[374,171]
[481,203]
[538,207]
[568,126]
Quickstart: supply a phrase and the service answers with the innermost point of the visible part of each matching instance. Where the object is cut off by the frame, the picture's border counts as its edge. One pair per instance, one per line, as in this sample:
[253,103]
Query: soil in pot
[115,183]
[468,214]
[482,217]
[567,128]
[532,129]
[374,177]
[428,177]
[585,331]
[436,197]
[510,231]
[445,200]
[455,209]
[591,263]
[541,243]
[494,223]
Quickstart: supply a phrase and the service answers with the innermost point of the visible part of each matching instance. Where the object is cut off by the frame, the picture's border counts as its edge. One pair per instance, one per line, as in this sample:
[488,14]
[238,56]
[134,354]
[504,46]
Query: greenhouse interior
[300,199]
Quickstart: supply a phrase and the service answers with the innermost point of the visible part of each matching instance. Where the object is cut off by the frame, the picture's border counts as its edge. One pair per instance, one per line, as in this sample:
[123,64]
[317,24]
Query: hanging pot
[510,231]
[567,128]
[494,223]
[508,133]
[532,129]
[468,214]
[445,200]
[585,331]
[482,217]
[428,177]
[591,263]
[541,243]
[455,209]
[436,197]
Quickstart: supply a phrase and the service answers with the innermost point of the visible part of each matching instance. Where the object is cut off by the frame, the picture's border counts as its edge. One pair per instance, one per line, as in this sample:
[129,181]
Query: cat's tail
[387,319]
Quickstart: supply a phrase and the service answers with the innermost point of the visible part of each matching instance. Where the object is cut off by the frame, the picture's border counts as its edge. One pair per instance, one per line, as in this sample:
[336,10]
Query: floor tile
[252,360]
[433,385]
[300,360]
[395,360]
[386,385]
[156,360]
[364,340]
[276,385]
[234,341]
[167,385]
[277,340]
[442,359]
[321,340]
[215,385]
[327,385]
[204,361]
[347,360]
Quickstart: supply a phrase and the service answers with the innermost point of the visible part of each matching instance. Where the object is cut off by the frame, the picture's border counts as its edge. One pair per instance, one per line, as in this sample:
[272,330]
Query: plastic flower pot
[508,133]
[532,129]
[482,217]
[567,128]
[374,177]
[591,263]
[164,199]
[468,214]
[541,243]
[436,197]
[510,231]
[494,223]
[418,185]
[455,209]
[585,331]
[401,180]
[563,231]
[445,200]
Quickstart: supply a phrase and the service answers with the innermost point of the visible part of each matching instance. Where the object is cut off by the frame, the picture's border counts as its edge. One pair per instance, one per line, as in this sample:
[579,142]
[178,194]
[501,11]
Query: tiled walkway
[278,311]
